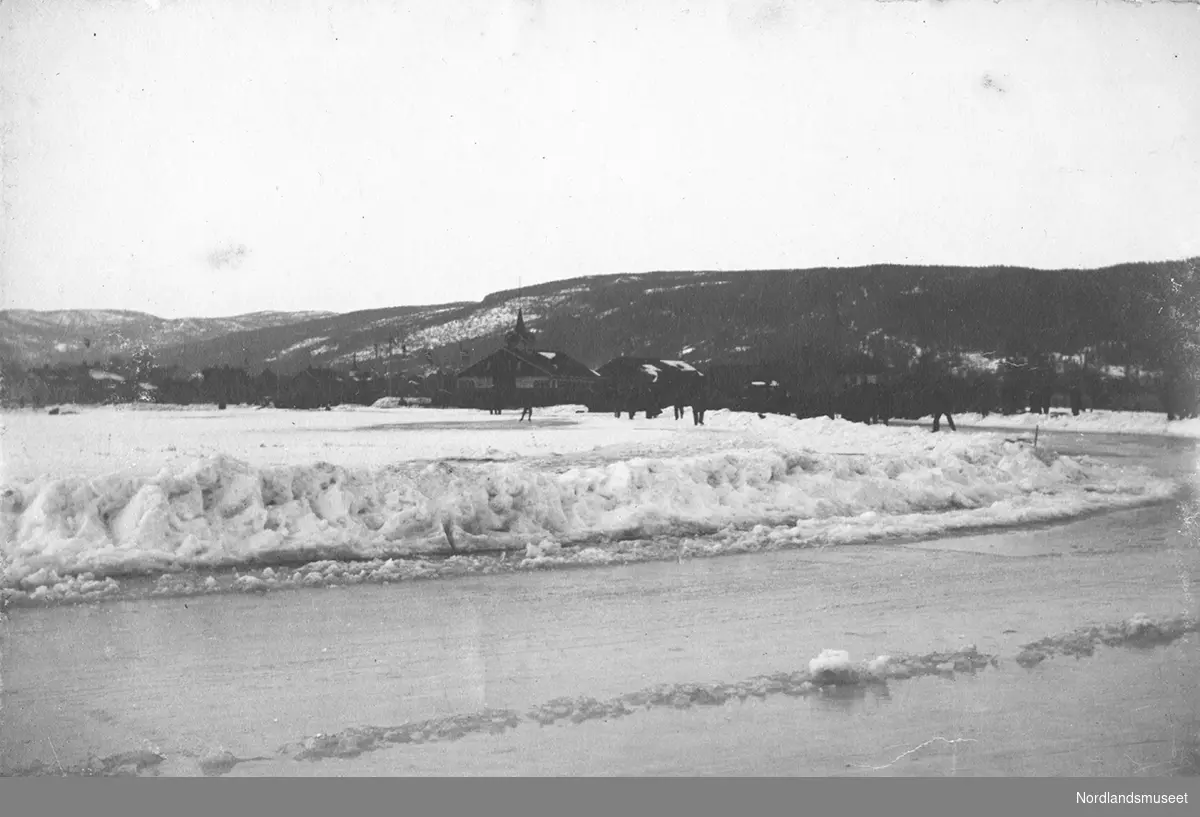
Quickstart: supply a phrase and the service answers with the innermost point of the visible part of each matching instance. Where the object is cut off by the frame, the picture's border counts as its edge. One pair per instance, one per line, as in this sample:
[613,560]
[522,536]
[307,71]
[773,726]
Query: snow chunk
[544,548]
[833,667]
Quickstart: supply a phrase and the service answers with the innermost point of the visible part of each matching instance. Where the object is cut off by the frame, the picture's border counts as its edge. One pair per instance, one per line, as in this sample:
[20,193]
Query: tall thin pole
[389,365]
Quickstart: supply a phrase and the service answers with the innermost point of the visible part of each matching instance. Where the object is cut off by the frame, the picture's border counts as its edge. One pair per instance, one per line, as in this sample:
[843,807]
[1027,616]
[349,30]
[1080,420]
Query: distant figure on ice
[617,394]
[941,406]
[632,398]
[1076,401]
[526,409]
[935,382]
[653,407]
[639,400]
[1179,397]
[884,407]
[699,404]
[679,402]
[1044,385]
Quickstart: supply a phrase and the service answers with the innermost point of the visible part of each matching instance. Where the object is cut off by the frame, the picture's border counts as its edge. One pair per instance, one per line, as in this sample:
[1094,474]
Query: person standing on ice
[653,406]
[527,408]
[699,403]
[935,382]
[1076,396]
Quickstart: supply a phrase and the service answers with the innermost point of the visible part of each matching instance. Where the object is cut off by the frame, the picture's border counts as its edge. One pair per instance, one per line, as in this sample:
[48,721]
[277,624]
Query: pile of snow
[832,667]
[1097,422]
[806,481]
[389,402]
[542,552]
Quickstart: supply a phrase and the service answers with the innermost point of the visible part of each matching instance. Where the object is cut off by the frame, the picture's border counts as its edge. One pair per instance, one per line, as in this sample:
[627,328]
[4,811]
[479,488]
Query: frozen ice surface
[218,489]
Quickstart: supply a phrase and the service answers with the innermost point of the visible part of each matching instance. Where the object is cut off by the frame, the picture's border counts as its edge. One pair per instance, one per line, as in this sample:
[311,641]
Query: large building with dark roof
[645,380]
[520,374]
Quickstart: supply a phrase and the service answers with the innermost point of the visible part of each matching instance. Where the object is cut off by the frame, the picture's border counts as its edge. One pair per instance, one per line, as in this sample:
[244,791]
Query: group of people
[633,400]
[497,407]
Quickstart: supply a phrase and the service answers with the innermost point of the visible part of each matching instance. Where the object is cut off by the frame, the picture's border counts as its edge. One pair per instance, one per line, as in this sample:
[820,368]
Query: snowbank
[821,481]
[1095,422]
[389,403]
[566,410]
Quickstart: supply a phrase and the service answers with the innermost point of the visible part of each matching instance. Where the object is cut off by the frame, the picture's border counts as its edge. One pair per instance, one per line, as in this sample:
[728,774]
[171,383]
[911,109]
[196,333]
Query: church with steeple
[519,337]
[519,374]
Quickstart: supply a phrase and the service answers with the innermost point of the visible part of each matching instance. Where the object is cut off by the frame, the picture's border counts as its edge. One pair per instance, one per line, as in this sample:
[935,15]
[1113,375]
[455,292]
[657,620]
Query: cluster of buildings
[515,375]
[519,374]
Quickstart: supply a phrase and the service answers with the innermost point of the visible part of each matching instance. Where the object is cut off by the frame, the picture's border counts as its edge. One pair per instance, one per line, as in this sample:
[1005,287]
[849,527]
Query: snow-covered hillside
[46,337]
[479,322]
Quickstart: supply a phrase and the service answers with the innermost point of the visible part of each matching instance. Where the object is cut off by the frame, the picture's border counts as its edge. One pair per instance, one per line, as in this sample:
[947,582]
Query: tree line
[137,379]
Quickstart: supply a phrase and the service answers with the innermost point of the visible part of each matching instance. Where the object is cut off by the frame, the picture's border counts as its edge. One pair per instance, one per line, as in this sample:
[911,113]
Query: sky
[216,157]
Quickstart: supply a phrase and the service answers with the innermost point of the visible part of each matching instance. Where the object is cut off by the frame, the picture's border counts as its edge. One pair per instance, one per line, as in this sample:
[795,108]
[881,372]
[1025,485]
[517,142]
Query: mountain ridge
[700,315]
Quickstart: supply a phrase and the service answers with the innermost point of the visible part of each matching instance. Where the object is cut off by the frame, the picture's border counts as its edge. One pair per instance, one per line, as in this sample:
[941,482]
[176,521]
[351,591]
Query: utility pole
[391,341]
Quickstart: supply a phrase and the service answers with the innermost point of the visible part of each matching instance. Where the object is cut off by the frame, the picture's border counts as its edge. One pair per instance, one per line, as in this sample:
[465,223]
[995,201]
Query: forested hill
[1131,313]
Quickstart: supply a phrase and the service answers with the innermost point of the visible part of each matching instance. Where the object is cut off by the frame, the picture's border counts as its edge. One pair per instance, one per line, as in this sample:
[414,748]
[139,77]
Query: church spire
[520,336]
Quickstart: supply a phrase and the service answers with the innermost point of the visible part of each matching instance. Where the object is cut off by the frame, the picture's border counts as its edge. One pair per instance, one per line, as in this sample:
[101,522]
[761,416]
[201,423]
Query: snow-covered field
[115,491]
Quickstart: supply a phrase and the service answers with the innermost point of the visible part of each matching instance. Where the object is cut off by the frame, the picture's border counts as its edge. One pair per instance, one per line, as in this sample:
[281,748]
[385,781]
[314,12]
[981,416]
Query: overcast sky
[213,157]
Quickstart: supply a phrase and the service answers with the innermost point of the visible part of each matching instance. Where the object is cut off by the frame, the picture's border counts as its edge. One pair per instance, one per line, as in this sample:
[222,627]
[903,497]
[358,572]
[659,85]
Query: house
[313,388]
[364,385]
[765,396]
[859,370]
[520,374]
[662,380]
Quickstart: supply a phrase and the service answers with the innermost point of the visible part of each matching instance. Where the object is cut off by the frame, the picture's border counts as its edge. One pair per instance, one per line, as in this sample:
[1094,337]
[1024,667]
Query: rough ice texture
[741,483]
[831,674]
[835,675]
